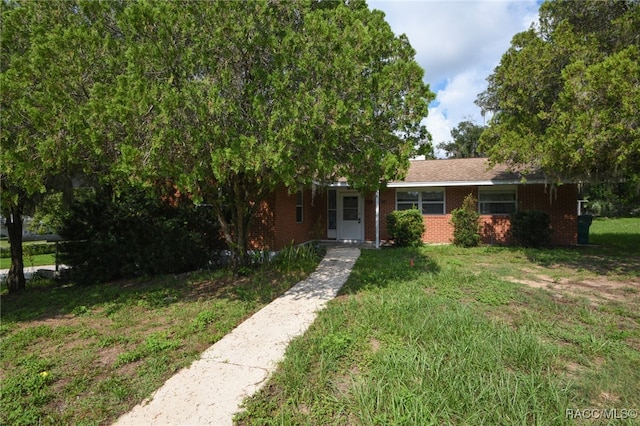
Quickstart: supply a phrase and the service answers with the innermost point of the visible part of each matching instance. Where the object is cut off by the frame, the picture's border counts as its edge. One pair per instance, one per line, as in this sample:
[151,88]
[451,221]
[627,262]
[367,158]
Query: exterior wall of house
[262,232]
[560,204]
[387,205]
[438,228]
[275,225]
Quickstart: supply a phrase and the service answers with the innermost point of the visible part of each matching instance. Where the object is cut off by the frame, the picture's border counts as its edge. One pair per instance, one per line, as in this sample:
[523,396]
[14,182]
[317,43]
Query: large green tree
[224,100]
[566,95]
[22,171]
[242,97]
[466,138]
[29,104]
[54,69]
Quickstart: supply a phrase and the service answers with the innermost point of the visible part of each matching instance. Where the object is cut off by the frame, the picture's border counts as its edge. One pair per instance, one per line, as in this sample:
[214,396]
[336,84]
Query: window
[299,208]
[497,200]
[332,210]
[433,201]
[430,201]
[406,200]
[350,208]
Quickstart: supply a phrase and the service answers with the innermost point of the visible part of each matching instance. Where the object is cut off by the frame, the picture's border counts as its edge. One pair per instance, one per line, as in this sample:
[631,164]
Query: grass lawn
[29,260]
[84,355]
[490,335]
[35,260]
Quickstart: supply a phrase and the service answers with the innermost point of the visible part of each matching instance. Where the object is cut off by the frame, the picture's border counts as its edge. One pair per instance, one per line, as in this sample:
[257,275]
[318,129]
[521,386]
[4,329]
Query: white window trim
[334,209]
[418,204]
[498,189]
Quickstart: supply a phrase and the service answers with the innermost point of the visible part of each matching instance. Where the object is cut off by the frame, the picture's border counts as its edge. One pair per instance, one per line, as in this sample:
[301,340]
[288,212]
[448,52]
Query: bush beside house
[466,226]
[531,228]
[406,227]
[136,234]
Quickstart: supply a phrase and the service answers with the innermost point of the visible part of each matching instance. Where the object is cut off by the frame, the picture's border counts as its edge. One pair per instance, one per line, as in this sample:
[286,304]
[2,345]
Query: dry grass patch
[596,289]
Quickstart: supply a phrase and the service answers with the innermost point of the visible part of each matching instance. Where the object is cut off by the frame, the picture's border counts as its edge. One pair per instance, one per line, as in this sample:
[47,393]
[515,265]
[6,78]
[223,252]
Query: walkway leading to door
[210,391]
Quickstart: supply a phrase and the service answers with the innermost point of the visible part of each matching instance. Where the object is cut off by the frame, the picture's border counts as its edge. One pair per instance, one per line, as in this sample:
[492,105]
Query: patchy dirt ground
[596,289]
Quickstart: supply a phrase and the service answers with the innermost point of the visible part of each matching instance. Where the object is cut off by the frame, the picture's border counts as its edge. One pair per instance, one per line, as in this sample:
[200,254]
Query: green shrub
[531,228]
[466,226]
[36,249]
[298,256]
[135,234]
[32,250]
[406,227]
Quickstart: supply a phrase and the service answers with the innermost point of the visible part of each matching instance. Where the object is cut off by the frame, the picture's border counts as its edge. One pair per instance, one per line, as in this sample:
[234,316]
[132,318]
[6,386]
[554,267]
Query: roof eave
[405,184]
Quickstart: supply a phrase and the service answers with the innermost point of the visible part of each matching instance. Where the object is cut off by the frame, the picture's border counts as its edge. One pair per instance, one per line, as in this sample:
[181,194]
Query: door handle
[358,219]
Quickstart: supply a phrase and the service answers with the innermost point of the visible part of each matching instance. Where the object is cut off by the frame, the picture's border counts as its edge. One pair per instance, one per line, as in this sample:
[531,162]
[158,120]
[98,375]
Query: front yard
[437,335]
[84,355]
[490,335]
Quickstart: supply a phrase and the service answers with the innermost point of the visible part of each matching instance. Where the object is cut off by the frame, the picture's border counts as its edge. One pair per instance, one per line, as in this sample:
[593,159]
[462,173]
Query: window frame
[354,211]
[420,202]
[502,189]
[299,206]
[332,210]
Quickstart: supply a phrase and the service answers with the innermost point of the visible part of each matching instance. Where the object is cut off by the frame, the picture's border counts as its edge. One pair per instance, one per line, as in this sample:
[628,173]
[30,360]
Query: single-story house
[436,187]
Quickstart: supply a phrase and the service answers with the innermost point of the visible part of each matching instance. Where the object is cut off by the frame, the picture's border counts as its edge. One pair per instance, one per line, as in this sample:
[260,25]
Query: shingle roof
[464,171]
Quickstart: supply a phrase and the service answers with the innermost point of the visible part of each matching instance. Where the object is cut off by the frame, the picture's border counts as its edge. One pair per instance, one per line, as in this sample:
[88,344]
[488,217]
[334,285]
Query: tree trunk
[228,234]
[240,218]
[16,282]
[236,239]
[234,215]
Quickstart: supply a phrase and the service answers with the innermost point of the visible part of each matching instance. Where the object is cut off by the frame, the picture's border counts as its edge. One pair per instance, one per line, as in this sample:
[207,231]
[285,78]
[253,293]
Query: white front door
[350,216]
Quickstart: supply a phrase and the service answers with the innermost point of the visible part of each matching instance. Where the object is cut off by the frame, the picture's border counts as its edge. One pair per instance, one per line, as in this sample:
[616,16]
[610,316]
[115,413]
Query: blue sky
[458,44]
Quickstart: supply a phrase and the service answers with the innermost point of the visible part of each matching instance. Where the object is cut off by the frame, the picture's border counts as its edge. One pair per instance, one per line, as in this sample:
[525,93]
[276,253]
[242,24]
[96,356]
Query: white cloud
[450,35]
[455,104]
[439,127]
[458,43]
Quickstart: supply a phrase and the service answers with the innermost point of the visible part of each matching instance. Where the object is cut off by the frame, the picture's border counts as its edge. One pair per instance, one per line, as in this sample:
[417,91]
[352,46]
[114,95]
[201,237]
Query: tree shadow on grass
[381,268]
[49,299]
[621,257]
[44,299]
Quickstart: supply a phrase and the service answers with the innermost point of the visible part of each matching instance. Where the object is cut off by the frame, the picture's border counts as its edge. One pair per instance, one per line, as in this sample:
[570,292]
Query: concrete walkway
[30,270]
[210,391]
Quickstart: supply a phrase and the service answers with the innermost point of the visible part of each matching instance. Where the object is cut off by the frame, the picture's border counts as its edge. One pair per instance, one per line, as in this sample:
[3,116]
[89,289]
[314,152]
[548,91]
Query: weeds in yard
[432,335]
[489,335]
[293,255]
[86,354]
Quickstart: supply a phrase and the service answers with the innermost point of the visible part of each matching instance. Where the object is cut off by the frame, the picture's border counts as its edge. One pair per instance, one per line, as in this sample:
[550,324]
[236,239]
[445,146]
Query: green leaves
[466,225]
[228,100]
[466,137]
[566,94]
[406,227]
[599,109]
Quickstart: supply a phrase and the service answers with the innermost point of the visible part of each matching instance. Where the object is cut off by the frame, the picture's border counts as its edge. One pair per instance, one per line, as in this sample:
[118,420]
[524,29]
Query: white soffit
[457,183]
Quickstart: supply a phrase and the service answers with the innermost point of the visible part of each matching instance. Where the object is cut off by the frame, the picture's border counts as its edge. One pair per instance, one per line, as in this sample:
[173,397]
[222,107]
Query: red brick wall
[275,224]
[453,197]
[387,205]
[495,229]
[438,227]
[261,234]
[275,228]
[561,205]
